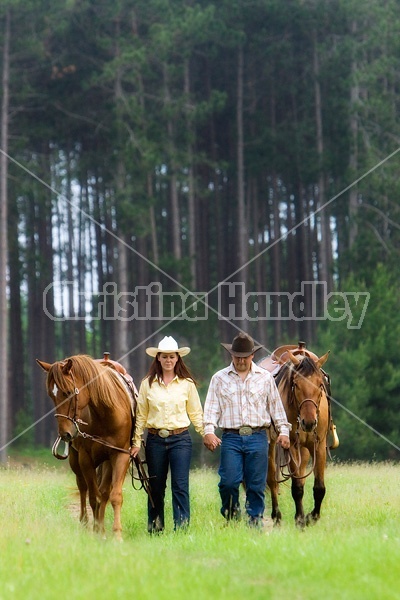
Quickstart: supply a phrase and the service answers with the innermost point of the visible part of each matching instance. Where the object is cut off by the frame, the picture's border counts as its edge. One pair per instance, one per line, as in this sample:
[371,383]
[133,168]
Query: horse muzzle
[308,415]
[308,426]
[68,436]
[68,428]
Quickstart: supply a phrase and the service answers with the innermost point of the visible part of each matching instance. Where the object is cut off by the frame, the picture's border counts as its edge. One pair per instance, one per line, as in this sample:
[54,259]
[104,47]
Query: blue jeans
[243,459]
[174,452]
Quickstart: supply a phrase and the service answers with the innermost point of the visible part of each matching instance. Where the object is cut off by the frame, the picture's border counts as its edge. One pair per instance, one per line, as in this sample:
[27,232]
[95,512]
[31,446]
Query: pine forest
[196,168]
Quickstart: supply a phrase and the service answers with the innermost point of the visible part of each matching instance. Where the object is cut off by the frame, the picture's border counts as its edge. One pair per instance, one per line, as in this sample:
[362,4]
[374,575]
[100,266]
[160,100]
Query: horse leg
[319,484]
[88,469]
[104,474]
[298,488]
[273,484]
[120,463]
[81,483]
[297,495]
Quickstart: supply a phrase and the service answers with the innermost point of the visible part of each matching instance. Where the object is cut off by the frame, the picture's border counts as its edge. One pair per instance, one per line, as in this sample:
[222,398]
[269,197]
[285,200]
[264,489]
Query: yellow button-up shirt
[169,406]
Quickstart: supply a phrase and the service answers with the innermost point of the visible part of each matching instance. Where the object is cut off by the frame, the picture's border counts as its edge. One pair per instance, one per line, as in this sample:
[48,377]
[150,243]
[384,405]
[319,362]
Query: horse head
[308,389]
[69,399]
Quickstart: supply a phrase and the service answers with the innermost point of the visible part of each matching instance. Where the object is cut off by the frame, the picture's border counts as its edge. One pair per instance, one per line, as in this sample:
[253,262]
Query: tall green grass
[352,553]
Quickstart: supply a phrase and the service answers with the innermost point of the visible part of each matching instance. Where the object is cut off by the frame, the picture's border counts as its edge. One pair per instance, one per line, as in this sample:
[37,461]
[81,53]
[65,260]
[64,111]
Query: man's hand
[283,441]
[211,441]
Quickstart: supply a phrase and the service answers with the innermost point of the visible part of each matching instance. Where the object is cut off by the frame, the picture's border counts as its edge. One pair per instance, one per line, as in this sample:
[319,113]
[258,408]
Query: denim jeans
[243,459]
[173,452]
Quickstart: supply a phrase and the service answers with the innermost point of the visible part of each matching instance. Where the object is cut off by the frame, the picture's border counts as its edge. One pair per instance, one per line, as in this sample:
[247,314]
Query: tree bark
[4,374]
[243,236]
[325,253]
[173,183]
[353,161]
[191,184]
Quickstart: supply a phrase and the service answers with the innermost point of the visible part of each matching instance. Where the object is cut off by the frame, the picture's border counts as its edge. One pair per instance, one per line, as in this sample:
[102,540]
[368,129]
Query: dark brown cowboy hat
[242,346]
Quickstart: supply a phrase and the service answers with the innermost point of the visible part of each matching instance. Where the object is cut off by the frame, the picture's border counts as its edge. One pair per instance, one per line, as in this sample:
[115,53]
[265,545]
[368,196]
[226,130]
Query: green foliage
[111,102]
[23,432]
[365,371]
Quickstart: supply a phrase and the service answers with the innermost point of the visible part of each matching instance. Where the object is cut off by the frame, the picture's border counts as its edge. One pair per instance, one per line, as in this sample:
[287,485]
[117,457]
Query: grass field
[352,553]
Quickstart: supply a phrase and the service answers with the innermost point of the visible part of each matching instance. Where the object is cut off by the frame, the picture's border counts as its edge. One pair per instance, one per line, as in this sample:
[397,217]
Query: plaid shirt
[232,403]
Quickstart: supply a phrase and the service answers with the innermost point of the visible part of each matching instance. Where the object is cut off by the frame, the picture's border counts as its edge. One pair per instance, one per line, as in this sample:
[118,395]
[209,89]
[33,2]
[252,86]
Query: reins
[283,457]
[142,475]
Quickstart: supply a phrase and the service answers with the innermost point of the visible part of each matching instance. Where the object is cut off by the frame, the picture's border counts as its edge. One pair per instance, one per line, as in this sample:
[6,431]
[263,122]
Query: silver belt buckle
[164,433]
[245,430]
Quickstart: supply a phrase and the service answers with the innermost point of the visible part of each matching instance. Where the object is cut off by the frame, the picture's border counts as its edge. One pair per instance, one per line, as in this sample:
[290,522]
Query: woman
[168,401]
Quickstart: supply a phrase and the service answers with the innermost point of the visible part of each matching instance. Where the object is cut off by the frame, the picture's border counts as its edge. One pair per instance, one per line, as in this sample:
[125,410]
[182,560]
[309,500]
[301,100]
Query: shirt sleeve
[142,411]
[212,410]
[277,411]
[194,408]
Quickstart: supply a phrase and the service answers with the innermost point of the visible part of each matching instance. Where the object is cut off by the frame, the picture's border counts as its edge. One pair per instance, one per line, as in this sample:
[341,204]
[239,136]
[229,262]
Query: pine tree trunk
[191,187]
[70,339]
[18,353]
[174,199]
[242,228]
[119,323]
[276,260]
[275,228]
[353,161]
[325,253]
[41,327]
[4,388]
[81,266]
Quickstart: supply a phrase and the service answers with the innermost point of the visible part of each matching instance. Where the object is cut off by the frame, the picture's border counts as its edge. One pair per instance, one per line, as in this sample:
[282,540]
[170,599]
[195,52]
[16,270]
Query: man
[242,400]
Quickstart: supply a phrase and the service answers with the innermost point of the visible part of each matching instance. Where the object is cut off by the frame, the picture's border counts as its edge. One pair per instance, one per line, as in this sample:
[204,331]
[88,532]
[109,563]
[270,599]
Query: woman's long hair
[181,370]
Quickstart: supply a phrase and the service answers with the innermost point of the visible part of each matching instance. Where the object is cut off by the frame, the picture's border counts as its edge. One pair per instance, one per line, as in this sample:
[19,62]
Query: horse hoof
[311,519]
[300,523]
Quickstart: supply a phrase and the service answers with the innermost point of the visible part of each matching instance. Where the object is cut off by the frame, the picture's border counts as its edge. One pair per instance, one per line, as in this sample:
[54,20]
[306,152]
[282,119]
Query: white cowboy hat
[167,345]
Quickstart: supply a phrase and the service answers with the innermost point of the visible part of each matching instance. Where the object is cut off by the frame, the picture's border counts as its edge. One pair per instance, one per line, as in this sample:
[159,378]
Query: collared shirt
[232,402]
[171,406]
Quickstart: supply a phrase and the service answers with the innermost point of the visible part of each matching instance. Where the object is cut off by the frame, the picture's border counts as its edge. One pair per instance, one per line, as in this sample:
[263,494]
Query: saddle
[280,356]
[113,364]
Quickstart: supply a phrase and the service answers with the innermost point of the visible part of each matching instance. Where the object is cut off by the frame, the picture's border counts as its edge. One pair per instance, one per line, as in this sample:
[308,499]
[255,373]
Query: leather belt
[164,433]
[245,430]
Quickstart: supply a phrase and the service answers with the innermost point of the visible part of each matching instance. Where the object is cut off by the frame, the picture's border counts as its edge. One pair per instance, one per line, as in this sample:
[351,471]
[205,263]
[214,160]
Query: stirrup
[335,437]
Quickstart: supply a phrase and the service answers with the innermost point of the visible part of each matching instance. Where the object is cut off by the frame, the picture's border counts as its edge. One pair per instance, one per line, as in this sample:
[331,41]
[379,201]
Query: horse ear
[321,361]
[45,366]
[293,358]
[67,367]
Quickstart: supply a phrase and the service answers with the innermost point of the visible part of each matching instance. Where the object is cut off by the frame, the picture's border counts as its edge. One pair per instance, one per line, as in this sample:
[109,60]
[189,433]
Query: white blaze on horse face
[55,390]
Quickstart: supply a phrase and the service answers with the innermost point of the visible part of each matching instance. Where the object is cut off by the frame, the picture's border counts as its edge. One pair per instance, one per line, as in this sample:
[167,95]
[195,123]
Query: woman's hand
[134,451]
[211,441]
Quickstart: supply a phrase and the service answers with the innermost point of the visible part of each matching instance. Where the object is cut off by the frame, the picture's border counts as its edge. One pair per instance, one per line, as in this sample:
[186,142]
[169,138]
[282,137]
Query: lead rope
[283,458]
[143,477]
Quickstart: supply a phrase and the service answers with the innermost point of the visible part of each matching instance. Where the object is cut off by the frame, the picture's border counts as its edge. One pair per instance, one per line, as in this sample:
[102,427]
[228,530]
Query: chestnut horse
[94,412]
[302,387]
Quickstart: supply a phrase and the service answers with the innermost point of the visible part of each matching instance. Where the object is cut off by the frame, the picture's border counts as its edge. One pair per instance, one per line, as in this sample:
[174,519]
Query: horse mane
[306,367]
[103,384]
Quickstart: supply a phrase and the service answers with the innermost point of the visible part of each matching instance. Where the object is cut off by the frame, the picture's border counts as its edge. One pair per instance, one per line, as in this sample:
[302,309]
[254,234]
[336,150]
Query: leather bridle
[284,457]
